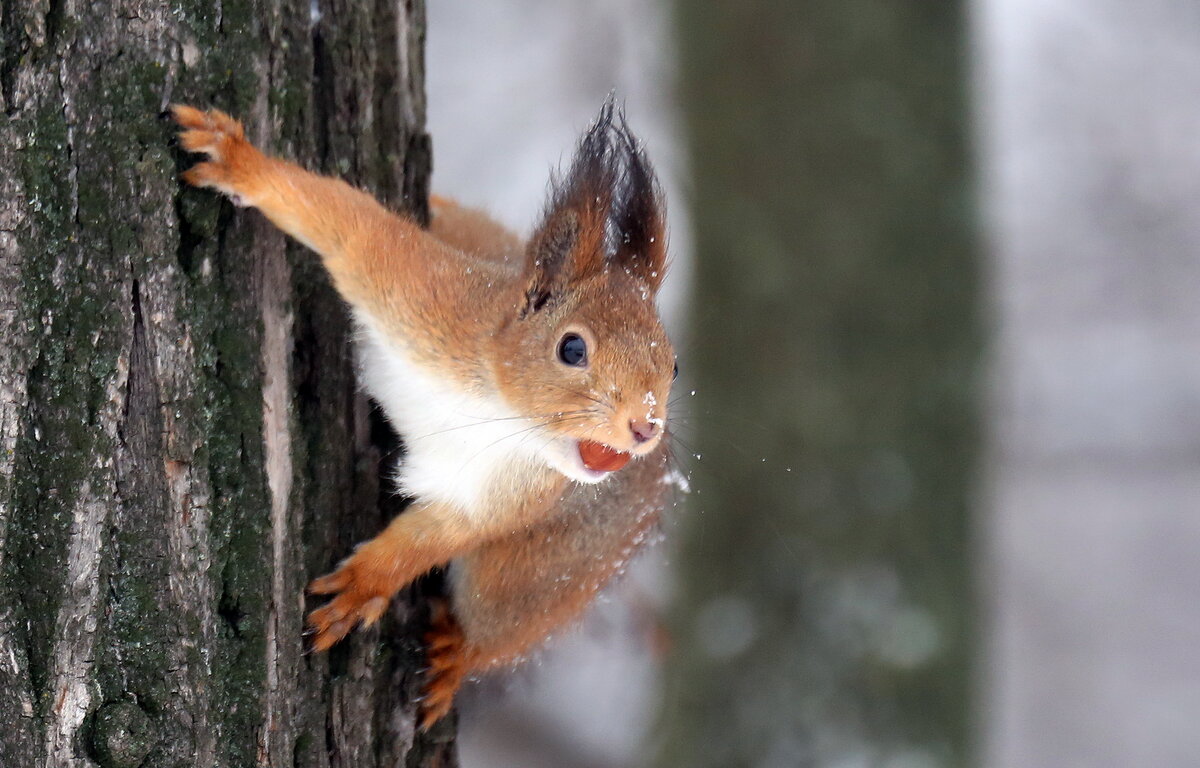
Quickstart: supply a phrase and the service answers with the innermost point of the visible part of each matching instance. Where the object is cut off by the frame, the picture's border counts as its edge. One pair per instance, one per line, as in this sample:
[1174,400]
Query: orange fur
[473,233]
[473,306]
[513,592]
[364,246]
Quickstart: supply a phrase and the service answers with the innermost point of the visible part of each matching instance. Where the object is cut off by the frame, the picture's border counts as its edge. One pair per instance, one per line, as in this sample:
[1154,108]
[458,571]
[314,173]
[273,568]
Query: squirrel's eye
[572,350]
[675,373]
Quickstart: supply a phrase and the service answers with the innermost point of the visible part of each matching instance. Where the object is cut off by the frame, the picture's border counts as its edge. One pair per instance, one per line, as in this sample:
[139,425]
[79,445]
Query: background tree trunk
[823,608]
[181,444]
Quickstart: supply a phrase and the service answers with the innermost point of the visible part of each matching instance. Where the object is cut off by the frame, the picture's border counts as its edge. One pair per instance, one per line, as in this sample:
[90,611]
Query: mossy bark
[824,602]
[181,441]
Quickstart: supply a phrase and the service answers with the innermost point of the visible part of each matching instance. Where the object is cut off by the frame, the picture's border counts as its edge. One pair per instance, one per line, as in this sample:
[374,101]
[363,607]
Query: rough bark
[181,442]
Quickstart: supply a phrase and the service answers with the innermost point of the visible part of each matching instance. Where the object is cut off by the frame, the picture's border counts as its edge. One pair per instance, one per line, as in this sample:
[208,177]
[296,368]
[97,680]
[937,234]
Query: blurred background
[937,289]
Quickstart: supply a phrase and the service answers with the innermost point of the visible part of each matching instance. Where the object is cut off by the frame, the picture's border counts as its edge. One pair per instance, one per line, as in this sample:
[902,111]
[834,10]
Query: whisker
[555,421]
[582,394]
[482,421]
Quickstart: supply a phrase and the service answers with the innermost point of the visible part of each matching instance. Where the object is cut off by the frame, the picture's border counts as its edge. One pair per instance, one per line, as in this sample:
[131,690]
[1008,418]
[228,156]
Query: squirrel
[529,380]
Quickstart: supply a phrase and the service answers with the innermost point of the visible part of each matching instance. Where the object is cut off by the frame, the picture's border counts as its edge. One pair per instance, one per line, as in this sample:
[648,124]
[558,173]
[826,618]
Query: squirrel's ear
[638,215]
[549,260]
[607,211]
[572,239]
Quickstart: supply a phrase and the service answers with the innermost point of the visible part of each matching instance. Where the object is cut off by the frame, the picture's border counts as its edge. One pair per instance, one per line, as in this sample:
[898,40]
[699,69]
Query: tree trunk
[181,442]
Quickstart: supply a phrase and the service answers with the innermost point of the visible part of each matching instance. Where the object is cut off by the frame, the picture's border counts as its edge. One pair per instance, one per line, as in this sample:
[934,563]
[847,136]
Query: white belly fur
[461,449]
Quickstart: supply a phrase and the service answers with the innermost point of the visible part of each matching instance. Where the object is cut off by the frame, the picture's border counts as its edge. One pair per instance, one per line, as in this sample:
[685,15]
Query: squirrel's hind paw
[446,652]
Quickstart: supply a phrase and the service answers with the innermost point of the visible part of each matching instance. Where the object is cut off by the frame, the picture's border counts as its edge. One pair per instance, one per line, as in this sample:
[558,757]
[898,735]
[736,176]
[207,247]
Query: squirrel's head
[595,363]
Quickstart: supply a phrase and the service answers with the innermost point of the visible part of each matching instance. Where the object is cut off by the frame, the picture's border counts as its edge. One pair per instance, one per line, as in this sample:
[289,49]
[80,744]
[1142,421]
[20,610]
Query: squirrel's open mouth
[598,457]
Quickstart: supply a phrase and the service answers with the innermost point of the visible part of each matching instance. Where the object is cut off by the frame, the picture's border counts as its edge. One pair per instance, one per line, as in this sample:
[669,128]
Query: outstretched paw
[447,657]
[222,140]
[359,599]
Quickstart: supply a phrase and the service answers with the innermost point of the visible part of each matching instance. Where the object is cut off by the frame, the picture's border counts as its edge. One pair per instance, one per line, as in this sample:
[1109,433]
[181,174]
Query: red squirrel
[529,380]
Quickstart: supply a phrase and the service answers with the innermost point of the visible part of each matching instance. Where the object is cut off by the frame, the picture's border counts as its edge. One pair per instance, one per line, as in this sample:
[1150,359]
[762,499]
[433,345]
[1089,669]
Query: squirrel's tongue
[598,457]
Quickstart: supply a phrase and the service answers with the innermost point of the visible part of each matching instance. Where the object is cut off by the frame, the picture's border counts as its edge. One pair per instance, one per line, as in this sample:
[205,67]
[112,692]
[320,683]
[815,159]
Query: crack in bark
[69,119]
[8,58]
[137,336]
[52,21]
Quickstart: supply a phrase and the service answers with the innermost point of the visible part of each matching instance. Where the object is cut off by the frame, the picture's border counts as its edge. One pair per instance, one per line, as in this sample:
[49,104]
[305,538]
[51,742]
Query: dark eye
[675,373]
[572,350]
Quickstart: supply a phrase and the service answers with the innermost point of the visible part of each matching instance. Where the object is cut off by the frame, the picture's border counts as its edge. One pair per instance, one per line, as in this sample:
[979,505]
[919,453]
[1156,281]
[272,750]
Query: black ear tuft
[638,212]
[607,209]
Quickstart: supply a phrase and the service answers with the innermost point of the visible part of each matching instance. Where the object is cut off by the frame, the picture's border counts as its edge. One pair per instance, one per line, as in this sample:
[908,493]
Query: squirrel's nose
[643,430]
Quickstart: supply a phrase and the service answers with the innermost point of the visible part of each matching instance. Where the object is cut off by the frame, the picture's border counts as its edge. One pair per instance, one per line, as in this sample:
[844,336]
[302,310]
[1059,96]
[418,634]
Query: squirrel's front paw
[359,599]
[219,137]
